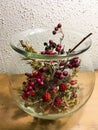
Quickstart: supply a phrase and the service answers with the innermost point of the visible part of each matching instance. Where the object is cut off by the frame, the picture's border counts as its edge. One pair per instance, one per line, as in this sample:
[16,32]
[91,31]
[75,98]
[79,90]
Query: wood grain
[12,118]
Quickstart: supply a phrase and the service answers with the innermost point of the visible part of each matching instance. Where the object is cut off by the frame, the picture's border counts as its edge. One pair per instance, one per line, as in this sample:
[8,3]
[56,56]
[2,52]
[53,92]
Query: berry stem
[80,42]
[61,39]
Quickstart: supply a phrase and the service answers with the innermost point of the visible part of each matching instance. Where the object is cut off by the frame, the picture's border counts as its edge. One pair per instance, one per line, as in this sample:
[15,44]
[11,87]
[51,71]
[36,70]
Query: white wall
[19,15]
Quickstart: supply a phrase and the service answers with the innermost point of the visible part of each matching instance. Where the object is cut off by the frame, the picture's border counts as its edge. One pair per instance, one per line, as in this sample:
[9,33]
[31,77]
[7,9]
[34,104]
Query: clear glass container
[51,100]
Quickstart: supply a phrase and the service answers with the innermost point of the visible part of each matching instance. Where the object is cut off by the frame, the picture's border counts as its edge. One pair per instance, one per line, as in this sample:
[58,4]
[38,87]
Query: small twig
[81,42]
[61,39]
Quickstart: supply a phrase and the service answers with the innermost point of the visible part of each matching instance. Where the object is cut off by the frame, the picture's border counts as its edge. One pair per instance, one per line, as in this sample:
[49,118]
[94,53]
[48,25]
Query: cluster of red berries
[59,74]
[74,62]
[56,28]
[34,80]
[52,48]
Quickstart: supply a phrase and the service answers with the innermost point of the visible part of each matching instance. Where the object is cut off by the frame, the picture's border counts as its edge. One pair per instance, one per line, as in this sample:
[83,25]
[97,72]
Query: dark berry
[43,52]
[56,28]
[54,32]
[51,41]
[45,44]
[54,45]
[62,51]
[59,25]
[62,63]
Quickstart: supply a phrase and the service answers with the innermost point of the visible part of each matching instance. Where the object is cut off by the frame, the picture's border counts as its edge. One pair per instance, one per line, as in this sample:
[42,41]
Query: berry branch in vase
[52,86]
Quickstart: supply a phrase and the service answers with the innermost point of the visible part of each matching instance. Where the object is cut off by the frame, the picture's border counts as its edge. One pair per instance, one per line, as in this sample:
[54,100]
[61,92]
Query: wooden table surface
[12,118]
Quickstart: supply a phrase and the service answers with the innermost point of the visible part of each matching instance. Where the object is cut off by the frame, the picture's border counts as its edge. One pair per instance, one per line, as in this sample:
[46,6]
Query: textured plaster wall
[20,15]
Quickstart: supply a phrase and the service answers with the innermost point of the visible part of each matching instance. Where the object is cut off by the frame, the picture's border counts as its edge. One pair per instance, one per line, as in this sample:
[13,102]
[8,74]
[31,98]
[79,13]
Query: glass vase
[50,86]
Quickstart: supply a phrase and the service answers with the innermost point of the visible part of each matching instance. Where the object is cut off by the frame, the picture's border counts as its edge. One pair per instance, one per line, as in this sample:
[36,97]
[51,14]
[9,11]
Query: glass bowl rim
[49,57]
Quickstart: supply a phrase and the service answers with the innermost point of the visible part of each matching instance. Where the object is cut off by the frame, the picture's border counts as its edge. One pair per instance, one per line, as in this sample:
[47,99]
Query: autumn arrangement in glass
[51,87]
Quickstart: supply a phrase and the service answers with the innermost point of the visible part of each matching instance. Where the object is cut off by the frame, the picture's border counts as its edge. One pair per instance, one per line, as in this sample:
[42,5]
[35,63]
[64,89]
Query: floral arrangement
[51,87]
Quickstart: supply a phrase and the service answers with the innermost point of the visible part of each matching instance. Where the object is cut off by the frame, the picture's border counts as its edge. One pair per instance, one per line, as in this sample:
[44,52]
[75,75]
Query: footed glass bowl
[50,86]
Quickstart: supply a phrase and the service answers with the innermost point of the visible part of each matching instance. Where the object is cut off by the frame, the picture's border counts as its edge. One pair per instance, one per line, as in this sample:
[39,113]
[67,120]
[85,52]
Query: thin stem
[81,42]
[61,39]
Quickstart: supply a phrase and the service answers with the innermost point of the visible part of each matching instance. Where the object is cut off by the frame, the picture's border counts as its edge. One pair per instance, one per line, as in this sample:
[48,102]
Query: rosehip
[46,96]
[73,82]
[62,87]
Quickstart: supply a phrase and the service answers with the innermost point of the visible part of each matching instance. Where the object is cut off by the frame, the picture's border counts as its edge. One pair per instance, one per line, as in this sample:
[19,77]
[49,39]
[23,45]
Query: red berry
[51,41]
[54,32]
[61,76]
[73,82]
[41,83]
[35,74]
[70,66]
[56,28]
[65,73]
[38,80]
[59,45]
[58,49]
[33,93]
[43,52]
[31,83]
[62,87]
[54,90]
[27,93]
[62,63]
[58,72]
[59,25]
[46,96]
[50,52]
[29,88]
